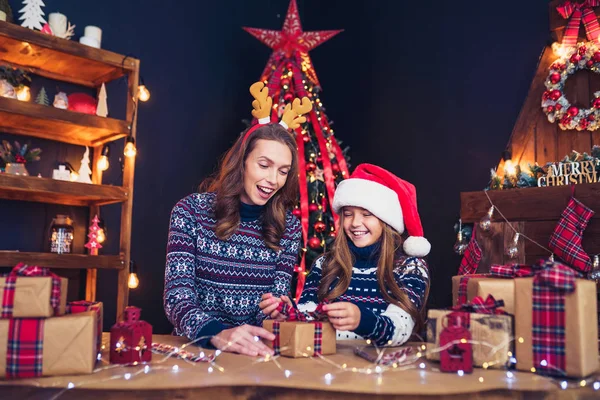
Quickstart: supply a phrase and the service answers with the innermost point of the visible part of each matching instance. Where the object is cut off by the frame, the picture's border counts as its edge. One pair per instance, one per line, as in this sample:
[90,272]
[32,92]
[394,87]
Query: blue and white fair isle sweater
[382,322]
[212,284]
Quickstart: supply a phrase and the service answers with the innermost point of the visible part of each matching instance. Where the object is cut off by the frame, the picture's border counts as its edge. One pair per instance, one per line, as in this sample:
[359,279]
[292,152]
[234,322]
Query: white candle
[58,24]
[88,41]
[2,16]
[93,32]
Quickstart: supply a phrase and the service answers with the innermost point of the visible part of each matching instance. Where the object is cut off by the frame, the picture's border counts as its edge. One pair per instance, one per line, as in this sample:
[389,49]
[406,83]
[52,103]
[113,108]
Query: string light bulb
[23,93]
[486,222]
[130,149]
[513,250]
[509,166]
[595,272]
[133,282]
[460,246]
[101,238]
[143,93]
[103,163]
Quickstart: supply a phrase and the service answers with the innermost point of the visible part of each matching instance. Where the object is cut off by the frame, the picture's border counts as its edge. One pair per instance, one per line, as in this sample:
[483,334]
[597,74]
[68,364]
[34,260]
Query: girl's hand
[269,304]
[244,339]
[344,316]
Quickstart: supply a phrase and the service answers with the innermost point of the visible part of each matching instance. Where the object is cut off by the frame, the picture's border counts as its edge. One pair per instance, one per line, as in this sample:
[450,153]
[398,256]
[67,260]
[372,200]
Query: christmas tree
[102,108]
[42,97]
[32,14]
[92,245]
[84,170]
[289,74]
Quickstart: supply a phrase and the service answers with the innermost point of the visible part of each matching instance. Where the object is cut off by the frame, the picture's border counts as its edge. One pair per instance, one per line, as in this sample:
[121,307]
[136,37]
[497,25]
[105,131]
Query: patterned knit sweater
[380,321]
[211,284]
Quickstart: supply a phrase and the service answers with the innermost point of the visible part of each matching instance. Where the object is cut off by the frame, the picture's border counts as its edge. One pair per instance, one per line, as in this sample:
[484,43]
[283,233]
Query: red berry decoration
[555,95]
[312,207]
[311,166]
[575,58]
[596,102]
[582,50]
[550,109]
[297,212]
[319,226]
[288,96]
[555,77]
[573,111]
[314,243]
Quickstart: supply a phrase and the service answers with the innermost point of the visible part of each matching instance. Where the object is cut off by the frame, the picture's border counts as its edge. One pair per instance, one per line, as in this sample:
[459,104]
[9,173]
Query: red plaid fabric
[8,300]
[277,340]
[471,257]
[565,241]
[550,286]
[462,287]
[480,306]
[24,348]
[512,271]
[575,12]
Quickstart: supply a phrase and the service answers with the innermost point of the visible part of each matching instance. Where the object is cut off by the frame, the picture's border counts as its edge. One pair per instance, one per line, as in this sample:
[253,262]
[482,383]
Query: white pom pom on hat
[389,198]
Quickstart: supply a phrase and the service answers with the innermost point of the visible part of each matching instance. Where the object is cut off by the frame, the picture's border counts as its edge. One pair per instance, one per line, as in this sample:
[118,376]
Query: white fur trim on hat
[379,199]
[416,246]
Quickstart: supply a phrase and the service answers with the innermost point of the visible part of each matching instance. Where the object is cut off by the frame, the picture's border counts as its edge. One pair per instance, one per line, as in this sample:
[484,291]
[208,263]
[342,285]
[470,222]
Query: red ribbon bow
[22,269]
[480,306]
[293,314]
[575,12]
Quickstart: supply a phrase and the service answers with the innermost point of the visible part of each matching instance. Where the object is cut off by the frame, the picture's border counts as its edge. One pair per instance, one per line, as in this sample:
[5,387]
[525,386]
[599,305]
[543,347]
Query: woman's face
[265,171]
[361,227]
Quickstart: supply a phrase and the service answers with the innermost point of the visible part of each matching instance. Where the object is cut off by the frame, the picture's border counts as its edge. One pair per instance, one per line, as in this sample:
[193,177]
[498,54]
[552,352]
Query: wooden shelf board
[47,122]
[60,59]
[52,260]
[46,190]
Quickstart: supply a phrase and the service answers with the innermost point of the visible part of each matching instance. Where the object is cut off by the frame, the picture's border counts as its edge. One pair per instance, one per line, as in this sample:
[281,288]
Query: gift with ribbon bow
[81,306]
[302,334]
[465,288]
[30,291]
[489,326]
[556,323]
[577,12]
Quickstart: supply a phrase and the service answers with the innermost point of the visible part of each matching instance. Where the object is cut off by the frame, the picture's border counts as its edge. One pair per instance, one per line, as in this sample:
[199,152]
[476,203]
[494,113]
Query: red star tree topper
[93,245]
[289,73]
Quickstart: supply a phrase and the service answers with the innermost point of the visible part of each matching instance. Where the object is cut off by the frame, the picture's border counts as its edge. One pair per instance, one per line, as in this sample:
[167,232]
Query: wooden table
[244,378]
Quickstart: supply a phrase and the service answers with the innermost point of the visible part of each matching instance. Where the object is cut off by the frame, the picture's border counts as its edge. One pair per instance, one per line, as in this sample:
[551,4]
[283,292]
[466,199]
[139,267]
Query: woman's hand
[244,339]
[344,316]
[269,304]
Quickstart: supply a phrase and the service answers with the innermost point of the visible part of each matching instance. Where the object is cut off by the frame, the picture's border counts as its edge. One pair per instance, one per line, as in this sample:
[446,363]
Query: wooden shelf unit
[72,62]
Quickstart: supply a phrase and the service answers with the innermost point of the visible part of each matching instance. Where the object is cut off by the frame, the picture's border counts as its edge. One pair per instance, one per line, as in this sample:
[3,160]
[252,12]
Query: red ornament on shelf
[555,77]
[575,58]
[459,355]
[131,340]
[314,243]
[550,108]
[297,212]
[312,207]
[83,103]
[572,111]
[311,167]
[555,95]
[320,226]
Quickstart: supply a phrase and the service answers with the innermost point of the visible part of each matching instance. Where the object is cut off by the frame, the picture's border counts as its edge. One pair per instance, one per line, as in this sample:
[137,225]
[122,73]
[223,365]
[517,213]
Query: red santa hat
[389,198]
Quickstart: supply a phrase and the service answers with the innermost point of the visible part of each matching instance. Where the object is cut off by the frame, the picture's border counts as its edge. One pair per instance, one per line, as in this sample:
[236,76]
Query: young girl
[376,284]
[239,240]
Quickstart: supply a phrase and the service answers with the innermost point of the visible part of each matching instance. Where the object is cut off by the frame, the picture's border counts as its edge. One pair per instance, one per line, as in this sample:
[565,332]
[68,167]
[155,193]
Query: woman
[239,240]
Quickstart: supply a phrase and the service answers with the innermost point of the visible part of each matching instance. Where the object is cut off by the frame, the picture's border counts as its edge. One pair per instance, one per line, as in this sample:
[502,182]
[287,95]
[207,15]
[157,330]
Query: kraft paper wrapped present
[80,306]
[466,287]
[556,323]
[303,334]
[491,335]
[31,292]
[64,345]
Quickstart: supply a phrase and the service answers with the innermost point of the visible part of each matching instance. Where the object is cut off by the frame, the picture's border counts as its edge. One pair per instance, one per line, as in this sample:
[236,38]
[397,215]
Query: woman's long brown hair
[229,185]
[340,260]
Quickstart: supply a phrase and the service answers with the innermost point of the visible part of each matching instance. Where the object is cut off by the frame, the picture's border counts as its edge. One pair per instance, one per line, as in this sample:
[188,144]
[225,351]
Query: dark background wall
[429,90]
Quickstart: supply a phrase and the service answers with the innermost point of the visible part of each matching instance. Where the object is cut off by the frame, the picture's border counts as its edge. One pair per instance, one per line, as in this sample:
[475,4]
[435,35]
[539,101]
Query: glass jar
[61,234]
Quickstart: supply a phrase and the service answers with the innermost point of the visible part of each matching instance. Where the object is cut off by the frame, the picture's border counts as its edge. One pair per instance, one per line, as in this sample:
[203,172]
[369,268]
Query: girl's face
[265,171]
[362,227]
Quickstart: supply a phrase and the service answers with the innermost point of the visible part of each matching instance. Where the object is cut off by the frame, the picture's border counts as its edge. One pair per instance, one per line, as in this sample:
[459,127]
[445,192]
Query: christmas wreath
[583,56]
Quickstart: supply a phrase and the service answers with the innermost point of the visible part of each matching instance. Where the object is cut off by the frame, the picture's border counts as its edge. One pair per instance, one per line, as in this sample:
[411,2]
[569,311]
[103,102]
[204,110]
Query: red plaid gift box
[80,306]
[303,334]
[31,291]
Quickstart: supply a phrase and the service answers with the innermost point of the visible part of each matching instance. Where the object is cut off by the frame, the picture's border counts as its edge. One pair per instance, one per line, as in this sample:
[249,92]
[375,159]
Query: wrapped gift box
[298,339]
[63,345]
[32,296]
[492,331]
[80,306]
[577,351]
[483,285]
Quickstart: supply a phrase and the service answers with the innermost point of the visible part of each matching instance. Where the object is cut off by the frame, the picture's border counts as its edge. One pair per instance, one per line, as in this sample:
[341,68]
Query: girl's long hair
[339,261]
[228,184]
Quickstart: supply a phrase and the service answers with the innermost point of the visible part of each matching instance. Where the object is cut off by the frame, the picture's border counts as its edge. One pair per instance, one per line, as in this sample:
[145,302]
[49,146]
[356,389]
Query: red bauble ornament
[575,58]
[289,65]
[596,102]
[558,107]
[314,243]
[555,77]
[83,103]
[131,340]
[319,226]
[312,207]
[335,168]
[546,95]
[589,64]
[596,56]
[583,123]
[550,109]
[306,138]
[297,212]
[285,82]
[555,95]
[572,111]
[566,120]
[311,167]
[582,50]
[591,117]
[288,96]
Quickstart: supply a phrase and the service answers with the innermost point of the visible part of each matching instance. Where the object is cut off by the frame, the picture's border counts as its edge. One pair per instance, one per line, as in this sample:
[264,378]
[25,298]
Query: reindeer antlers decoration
[263,104]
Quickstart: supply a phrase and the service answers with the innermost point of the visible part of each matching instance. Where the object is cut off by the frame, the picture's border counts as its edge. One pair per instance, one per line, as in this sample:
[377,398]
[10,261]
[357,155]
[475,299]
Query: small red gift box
[131,340]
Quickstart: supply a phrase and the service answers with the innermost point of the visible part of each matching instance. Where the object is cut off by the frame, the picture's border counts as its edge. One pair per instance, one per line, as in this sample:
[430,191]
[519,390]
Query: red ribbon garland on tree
[576,12]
